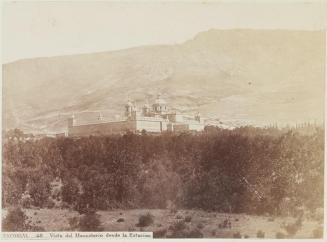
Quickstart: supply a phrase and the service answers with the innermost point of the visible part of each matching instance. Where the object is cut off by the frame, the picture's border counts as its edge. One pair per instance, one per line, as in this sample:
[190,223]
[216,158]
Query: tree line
[245,170]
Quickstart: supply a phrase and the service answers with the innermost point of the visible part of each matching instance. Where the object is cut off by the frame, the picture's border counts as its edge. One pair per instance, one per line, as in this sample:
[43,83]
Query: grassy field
[206,224]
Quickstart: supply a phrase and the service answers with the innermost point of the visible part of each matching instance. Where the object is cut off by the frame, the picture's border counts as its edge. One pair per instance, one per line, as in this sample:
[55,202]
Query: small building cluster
[156,118]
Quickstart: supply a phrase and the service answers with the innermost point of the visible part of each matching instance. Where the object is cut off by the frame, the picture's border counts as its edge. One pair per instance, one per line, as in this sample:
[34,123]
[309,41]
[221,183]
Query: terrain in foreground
[166,222]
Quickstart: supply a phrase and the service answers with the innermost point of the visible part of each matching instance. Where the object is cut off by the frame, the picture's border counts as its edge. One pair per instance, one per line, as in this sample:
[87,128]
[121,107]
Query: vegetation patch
[145,220]
[280,235]
[17,221]
[188,219]
[225,224]
[237,235]
[159,233]
[293,228]
[260,234]
[90,222]
[195,233]
[200,226]
[318,233]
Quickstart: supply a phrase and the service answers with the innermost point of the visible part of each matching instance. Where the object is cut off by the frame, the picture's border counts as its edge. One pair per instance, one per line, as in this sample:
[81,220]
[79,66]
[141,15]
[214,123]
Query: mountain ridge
[227,74]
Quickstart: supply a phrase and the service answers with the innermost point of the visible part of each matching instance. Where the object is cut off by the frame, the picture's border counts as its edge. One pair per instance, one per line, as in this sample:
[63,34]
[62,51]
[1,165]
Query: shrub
[15,221]
[188,219]
[81,206]
[26,202]
[177,226]
[173,210]
[225,224]
[64,205]
[280,235]
[159,233]
[36,229]
[246,236]
[195,233]
[49,204]
[69,190]
[90,222]
[200,226]
[318,215]
[145,220]
[293,228]
[178,230]
[73,223]
[318,232]
[131,229]
[237,235]
[171,207]
[39,190]
[271,219]
[260,234]
[120,220]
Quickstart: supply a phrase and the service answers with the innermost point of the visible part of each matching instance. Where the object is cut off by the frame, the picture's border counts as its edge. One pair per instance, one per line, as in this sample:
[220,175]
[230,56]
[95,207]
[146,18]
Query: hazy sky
[37,29]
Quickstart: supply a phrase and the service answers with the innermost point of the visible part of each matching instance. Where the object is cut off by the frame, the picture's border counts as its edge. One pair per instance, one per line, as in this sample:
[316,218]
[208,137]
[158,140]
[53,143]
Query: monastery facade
[153,119]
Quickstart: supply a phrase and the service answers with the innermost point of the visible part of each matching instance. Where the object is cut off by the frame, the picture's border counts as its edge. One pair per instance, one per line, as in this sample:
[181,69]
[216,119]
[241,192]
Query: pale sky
[39,29]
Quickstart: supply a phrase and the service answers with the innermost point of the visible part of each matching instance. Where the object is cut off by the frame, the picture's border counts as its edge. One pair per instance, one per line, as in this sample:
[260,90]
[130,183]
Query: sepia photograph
[184,119]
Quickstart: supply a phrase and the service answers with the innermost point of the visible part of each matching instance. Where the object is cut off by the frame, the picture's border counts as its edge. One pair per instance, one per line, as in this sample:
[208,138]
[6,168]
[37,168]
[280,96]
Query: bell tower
[160,105]
[146,109]
[197,117]
[130,110]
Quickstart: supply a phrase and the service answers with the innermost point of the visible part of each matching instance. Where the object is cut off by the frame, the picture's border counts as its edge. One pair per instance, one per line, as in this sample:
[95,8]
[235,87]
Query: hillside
[254,76]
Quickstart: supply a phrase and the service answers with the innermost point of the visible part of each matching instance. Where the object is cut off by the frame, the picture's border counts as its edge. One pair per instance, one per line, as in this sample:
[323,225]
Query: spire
[198,116]
[129,102]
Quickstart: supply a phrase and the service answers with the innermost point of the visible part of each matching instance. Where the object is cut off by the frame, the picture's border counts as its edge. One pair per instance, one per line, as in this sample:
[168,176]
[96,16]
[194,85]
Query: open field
[207,223]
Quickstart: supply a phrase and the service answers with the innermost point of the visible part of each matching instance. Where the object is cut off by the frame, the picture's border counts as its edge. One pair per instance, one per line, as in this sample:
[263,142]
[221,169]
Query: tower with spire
[160,105]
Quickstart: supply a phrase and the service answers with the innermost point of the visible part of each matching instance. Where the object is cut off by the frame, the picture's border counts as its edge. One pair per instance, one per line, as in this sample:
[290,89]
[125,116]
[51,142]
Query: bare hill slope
[259,76]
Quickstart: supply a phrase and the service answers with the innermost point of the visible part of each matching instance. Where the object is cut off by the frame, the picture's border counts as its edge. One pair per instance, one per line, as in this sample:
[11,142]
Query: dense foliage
[248,170]
[16,220]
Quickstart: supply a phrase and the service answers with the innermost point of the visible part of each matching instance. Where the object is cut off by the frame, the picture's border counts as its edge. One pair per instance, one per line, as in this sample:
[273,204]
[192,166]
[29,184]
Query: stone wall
[102,128]
[150,126]
[196,127]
